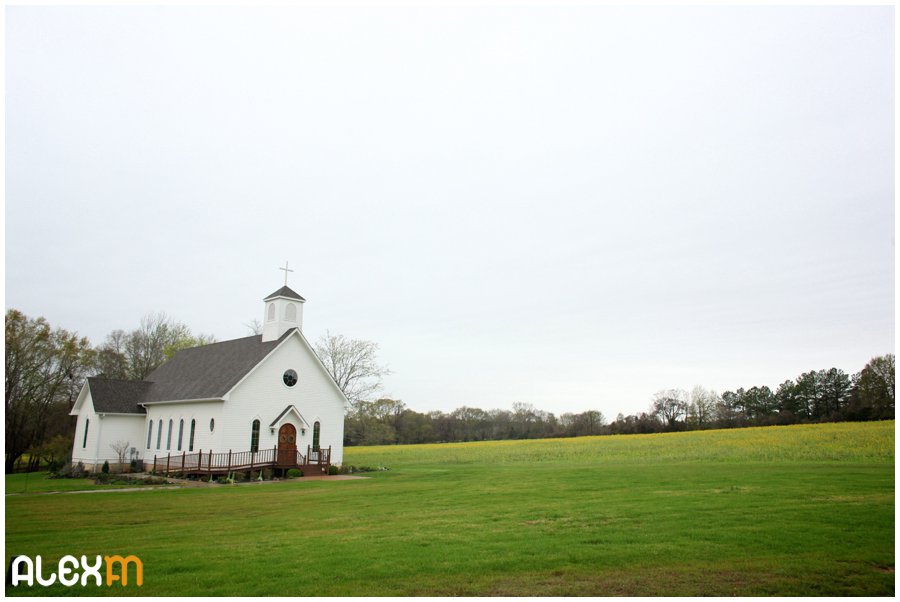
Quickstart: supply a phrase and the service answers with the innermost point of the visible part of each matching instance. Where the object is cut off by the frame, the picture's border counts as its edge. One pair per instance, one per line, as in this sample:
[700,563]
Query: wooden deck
[314,462]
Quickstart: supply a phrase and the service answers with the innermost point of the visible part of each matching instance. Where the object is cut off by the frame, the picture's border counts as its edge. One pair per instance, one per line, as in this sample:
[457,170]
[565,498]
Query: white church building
[245,404]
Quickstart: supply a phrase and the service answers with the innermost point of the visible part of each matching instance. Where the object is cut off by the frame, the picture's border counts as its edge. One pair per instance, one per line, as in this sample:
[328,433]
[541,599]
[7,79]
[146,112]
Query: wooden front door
[287,445]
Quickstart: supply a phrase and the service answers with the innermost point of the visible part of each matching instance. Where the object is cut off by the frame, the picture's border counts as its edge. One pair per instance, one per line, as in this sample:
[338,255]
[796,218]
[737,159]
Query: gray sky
[571,207]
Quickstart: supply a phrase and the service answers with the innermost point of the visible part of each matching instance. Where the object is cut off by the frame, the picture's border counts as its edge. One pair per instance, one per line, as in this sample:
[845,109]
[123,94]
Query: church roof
[205,372]
[209,371]
[285,291]
[117,396]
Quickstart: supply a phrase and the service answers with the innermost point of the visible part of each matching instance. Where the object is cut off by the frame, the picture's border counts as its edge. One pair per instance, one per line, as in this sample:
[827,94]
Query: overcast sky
[570,207]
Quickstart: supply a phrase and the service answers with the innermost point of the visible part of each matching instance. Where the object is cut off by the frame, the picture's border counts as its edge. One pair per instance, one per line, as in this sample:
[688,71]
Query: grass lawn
[800,510]
[39,482]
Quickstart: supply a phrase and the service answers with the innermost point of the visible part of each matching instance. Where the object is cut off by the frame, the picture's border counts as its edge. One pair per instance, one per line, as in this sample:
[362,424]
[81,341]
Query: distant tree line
[46,368]
[387,421]
[815,396]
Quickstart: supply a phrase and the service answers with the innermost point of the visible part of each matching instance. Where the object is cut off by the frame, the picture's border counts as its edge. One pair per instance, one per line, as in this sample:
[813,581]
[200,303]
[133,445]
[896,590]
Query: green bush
[294,473]
[333,470]
[105,469]
[267,474]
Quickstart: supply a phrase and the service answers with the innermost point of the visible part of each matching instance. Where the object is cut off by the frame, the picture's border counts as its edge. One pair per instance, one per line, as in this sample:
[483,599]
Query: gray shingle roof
[117,396]
[206,372]
[284,291]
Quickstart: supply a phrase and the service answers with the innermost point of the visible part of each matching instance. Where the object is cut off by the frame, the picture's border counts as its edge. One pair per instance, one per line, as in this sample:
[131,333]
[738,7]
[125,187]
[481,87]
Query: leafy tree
[790,406]
[590,422]
[873,391]
[110,356]
[186,342]
[808,391]
[836,387]
[413,427]
[45,369]
[759,404]
[729,410]
[53,452]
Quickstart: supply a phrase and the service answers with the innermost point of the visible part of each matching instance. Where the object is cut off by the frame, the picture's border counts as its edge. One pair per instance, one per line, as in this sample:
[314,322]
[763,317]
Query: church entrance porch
[222,463]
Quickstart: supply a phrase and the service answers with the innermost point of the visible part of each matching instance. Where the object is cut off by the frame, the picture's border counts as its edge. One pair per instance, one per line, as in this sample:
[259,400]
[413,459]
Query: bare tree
[136,354]
[121,449]
[352,364]
[255,326]
[700,408]
[670,405]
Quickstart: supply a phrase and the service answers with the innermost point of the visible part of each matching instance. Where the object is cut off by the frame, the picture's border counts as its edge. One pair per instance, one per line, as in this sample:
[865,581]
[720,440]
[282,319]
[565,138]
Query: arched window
[159,434]
[212,424]
[191,439]
[254,437]
[290,312]
[169,436]
[180,433]
[316,436]
[270,317]
[87,423]
[150,435]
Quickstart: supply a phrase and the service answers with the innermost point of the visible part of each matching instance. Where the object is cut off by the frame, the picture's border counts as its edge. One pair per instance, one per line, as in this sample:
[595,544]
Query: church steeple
[284,310]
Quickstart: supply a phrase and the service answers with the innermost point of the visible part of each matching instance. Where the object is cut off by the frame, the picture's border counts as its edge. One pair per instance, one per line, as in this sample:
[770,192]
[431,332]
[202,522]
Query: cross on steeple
[286,270]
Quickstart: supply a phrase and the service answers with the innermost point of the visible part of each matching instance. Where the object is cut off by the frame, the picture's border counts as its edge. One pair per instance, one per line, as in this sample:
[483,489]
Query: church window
[212,424]
[150,435]
[290,378]
[159,434]
[254,437]
[87,423]
[191,438]
[290,313]
[316,429]
[270,317]
[180,433]
[169,436]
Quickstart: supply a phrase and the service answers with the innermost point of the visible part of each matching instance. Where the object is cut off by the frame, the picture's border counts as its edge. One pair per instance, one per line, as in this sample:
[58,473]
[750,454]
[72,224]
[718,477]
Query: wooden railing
[225,462]
[318,456]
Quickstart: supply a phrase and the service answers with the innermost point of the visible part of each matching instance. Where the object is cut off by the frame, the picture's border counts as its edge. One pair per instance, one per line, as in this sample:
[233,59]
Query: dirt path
[183,483]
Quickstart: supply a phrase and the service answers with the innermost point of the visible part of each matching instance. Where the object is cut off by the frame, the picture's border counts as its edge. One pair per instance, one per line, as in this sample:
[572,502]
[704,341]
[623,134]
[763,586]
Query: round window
[212,424]
[290,378]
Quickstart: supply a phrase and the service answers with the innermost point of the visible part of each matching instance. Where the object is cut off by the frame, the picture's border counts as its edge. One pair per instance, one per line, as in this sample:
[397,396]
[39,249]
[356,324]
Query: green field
[24,483]
[797,510]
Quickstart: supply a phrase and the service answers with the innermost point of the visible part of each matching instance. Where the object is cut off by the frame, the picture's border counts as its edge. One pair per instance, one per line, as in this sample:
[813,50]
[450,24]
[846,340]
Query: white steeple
[284,310]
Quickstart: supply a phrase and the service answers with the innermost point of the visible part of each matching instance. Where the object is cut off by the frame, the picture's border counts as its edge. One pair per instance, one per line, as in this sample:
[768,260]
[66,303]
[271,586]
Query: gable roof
[288,410]
[285,291]
[208,371]
[205,372]
[117,396]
